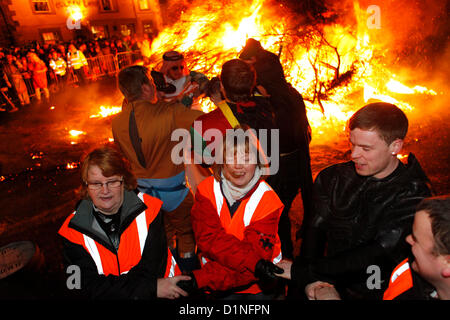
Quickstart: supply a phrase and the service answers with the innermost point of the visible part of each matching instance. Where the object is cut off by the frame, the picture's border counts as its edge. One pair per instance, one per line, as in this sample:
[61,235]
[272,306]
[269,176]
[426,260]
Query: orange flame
[337,68]
[106,111]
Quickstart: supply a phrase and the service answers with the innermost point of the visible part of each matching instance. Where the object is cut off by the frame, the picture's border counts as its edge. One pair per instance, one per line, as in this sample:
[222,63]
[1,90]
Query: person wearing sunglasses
[116,235]
[189,84]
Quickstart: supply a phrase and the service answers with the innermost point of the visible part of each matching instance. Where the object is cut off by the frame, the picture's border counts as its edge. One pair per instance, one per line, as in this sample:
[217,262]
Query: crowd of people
[216,225]
[37,69]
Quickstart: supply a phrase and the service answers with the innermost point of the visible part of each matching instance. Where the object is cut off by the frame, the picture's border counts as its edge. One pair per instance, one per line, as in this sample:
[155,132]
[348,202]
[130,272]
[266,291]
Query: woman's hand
[286,266]
[167,287]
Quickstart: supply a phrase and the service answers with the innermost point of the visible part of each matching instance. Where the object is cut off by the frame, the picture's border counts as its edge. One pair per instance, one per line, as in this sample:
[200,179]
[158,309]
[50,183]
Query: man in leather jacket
[362,210]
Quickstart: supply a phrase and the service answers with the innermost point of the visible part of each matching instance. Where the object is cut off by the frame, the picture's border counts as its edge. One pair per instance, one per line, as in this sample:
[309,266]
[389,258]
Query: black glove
[265,269]
[190,286]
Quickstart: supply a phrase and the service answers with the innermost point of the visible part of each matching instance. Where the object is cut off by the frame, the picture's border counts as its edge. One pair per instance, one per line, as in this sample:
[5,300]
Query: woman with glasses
[116,236]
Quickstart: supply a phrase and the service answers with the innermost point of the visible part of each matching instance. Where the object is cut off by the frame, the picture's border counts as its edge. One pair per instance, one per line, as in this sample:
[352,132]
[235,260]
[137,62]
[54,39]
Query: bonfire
[332,62]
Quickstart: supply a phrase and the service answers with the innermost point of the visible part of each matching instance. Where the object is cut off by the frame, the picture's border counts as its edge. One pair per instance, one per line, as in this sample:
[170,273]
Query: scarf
[233,193]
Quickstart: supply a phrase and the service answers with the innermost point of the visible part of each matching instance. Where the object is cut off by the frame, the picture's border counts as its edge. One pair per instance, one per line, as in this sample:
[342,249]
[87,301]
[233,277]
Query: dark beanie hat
[252,46]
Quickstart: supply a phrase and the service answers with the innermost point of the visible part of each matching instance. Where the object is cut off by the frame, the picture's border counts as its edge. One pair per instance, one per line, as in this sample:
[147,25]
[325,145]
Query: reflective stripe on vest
[400,281]
[218,196]
[142,225]
[253,202]
[93,251]
[172,268]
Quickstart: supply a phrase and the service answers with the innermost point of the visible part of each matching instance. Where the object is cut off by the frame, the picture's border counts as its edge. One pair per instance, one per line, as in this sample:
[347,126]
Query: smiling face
[176,71]
[240,167]
[107,199]
[372,155]
[427,263]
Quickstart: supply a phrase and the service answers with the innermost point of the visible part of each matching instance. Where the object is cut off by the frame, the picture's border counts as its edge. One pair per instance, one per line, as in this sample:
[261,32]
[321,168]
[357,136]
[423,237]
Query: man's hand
[167,287]
[285,265]
[321,291]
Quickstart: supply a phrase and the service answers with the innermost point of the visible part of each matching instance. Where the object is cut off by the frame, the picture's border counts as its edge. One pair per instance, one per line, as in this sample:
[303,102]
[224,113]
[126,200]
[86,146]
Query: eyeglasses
[99,185]
[175,68]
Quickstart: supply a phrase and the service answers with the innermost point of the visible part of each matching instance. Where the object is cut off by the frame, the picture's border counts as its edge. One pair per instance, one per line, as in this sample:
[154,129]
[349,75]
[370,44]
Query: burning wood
[106,111]
[337,68]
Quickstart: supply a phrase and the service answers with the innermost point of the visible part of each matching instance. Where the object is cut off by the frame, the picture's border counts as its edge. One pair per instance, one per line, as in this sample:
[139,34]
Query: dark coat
[290,109]
[357,222]
[141,281]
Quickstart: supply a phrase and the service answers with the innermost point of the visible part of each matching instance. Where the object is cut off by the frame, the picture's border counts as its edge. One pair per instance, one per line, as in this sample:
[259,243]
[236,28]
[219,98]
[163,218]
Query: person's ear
[396,146]
[446,270]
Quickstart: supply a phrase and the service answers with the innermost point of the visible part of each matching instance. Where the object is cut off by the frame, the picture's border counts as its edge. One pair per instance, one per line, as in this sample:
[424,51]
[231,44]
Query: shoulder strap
[135,139]
[225,108]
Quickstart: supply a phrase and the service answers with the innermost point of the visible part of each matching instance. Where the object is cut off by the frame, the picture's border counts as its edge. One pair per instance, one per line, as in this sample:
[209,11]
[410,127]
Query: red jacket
[231,246]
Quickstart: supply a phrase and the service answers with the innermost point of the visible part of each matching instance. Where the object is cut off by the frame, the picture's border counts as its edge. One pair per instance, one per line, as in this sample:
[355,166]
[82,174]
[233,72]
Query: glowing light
[75,12]
[72,165]
[76,133]
[106,111]
[398,87]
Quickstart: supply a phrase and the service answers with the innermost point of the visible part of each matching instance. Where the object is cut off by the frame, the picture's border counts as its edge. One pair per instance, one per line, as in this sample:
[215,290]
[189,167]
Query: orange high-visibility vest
[400,281]
[131,246]
[261,203]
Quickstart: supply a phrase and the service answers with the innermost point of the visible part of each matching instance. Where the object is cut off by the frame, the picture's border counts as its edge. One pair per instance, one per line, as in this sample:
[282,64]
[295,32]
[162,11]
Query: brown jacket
[155,123]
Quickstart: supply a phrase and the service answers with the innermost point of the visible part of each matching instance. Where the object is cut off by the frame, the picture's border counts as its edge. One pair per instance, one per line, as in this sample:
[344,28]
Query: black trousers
[294,175]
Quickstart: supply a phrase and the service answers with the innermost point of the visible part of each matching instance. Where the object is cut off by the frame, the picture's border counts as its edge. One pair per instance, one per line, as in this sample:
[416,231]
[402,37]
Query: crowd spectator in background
[98,56]
[77,61]
[13,69]
[38,70]
[59,67]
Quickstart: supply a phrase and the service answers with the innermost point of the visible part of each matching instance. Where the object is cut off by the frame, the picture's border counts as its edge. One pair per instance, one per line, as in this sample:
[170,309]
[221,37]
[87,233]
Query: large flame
[106,111]
[337,68]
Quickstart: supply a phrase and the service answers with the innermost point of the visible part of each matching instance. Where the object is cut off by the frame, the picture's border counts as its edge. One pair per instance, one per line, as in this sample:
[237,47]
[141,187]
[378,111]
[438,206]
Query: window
[108,5]
[149,28]
[144,5]
[50,35]
[127,29]
[100,32]
[41,6]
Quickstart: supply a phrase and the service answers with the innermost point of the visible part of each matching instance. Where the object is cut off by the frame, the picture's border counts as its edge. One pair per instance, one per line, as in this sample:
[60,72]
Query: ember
[72,165]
